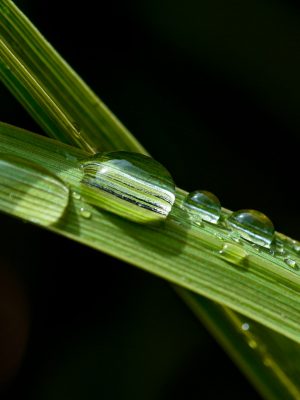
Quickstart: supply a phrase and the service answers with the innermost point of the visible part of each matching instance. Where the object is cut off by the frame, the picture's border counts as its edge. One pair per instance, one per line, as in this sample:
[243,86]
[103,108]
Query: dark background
[212,90]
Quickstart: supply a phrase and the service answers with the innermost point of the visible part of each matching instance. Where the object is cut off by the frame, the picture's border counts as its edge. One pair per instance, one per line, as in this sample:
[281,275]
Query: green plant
[191,257]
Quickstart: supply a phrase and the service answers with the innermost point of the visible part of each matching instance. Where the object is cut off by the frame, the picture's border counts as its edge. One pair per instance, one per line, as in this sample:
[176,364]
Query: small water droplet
[245,326]
[233,253]
[85,213]
[253,226]
[252,343]
[76,196]
[267,361]
[297,248]
[131,185]
[280,251]
[291,263]
[203,205]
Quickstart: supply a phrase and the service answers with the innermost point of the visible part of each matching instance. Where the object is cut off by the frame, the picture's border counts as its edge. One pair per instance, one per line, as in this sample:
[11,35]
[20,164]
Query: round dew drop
[131,185]
[203,205]
[85,213]
[233,253]
[291,263]
[245,326]
[253,226]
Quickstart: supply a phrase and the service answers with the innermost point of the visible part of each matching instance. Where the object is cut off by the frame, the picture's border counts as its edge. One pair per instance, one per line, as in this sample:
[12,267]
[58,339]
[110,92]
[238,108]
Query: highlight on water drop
[253,226]
[203,205]
[131,185]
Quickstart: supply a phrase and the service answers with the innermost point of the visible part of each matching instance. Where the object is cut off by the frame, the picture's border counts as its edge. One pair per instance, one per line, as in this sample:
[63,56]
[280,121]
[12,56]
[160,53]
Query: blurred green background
[212,90]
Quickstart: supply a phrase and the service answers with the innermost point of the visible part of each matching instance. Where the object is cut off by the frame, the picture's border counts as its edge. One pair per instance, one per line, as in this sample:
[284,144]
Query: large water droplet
[31,192]
[131,185]
[203,205]
[253,226]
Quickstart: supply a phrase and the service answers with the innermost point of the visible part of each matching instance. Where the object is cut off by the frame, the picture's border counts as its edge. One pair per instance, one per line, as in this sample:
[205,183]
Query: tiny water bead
[31,192]
[233,253]
[131,185]
[253,226]
[245,326]
[252,343]
[203,205]
[291,263]
[76,196]
[85,213]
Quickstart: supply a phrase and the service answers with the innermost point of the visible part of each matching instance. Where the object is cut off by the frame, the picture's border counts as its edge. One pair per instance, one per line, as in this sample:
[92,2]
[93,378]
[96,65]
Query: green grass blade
[66,109]
[270,360]
[51,91]
[263,289]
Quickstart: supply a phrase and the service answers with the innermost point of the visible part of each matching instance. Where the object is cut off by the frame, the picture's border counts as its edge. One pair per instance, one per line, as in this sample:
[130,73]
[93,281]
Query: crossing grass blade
[55,96]
[270,360]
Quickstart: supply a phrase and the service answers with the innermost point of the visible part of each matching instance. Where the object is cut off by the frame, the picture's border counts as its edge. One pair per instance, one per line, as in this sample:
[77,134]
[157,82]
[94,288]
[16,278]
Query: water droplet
[291,263]
[245,326]
[267,361]
[233,253]
[253,226]
[31,192]
[85,213]
[203,205]
[76,196]
[131,185]
[280,251]
[252,343]
[296,247]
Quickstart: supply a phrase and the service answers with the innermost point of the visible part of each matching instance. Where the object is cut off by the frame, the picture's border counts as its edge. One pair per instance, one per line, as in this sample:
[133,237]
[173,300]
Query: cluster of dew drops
[254,229]
[237,230]
[245,227]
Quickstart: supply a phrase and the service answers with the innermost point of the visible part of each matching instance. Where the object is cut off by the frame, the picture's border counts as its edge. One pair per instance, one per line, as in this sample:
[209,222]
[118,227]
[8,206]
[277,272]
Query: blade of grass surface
[51,91]
[264,289]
